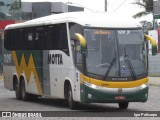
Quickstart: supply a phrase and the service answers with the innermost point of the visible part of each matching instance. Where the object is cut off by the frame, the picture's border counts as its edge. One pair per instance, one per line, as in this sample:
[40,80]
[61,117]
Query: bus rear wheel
[25,95]
[17,91]
[123,105]
[71,102]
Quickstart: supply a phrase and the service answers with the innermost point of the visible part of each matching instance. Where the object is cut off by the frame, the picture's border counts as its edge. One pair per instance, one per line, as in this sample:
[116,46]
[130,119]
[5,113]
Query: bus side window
[30,39]
[40,41]
[39,36]
[56,38]
[7,39]
[50,39]
[36,36]
[62,38]
[73,45]
[20,39]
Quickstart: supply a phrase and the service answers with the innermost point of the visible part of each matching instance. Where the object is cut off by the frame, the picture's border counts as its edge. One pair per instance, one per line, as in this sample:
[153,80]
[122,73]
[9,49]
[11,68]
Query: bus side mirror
[154,44]
[80,52]
[82,42]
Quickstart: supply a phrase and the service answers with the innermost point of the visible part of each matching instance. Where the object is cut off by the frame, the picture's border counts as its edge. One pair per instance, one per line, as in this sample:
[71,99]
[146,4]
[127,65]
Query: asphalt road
[8,102]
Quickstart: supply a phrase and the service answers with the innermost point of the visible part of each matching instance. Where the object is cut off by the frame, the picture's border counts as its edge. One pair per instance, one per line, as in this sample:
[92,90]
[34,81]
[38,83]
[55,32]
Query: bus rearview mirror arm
[82,41]
[154,44]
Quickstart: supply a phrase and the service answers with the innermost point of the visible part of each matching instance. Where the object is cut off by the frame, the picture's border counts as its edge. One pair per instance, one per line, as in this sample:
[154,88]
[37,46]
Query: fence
[154,65]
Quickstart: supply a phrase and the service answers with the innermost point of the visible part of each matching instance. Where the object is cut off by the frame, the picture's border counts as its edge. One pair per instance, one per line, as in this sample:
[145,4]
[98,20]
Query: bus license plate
[120,97]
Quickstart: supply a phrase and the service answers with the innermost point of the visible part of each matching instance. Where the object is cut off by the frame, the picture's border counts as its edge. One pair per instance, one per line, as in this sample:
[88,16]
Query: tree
[147,5]
[14,10]
[1,3]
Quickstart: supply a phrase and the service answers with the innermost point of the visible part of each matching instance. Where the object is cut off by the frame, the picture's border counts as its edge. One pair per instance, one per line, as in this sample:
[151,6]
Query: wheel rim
[70,98]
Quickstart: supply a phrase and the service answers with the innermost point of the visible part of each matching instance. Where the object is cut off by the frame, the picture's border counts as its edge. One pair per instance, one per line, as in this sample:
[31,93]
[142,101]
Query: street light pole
[105,5]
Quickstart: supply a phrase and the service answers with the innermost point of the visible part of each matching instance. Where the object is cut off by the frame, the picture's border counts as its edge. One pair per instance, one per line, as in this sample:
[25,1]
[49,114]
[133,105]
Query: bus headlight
[144,86]
[93,86]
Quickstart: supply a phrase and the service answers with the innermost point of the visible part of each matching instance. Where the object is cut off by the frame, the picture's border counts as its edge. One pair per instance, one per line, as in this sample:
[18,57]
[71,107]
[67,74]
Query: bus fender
[68,81]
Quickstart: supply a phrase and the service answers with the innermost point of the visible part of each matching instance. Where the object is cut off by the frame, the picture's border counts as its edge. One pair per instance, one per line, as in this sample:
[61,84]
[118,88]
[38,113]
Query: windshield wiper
[111,65]
[130,66]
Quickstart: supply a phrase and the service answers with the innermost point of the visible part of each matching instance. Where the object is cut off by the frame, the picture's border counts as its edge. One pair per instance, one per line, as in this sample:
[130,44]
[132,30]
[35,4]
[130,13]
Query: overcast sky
[117,7]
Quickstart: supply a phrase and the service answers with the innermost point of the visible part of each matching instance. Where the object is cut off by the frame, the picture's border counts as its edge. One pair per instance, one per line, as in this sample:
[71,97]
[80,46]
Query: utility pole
[105,5]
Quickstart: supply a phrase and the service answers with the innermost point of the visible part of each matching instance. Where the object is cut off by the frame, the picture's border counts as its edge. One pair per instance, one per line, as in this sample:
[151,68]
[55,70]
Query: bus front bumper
[95,94]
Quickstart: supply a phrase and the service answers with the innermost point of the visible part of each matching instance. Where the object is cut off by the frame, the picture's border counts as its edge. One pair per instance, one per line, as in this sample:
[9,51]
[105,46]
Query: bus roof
[90,19]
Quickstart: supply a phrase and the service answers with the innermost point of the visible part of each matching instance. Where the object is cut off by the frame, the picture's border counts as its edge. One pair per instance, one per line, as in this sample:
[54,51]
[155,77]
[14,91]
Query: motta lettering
[55,59]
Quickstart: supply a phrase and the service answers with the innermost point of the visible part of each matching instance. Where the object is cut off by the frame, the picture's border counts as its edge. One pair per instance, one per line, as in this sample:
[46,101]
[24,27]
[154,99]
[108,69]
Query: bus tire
[72,104]
[17,90]
[25,95]
[33,97]
[123,105]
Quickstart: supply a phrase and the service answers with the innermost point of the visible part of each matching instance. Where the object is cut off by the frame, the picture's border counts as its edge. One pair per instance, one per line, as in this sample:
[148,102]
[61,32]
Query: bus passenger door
[77,86]
[77,61]
[46,74]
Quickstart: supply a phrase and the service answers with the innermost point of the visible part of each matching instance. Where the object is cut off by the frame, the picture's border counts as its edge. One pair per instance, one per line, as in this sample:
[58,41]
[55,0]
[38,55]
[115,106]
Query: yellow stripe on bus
[122,84]
[27,69]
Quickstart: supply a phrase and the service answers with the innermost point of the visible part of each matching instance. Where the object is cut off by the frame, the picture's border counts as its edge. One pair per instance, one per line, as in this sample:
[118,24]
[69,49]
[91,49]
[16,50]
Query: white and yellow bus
[81,57]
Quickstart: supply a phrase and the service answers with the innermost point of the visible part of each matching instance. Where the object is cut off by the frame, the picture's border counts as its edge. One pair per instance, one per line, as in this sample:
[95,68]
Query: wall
[154,65]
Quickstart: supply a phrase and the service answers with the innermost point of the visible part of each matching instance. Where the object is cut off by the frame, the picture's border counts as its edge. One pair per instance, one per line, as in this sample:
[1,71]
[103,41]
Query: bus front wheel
[72,103]
[123,105]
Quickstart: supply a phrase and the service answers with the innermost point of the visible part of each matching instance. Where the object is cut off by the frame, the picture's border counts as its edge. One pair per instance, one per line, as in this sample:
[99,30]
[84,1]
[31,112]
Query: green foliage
[147,5]
[1,3]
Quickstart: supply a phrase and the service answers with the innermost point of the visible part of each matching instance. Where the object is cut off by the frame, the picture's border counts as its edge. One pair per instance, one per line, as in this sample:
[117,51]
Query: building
[32,10]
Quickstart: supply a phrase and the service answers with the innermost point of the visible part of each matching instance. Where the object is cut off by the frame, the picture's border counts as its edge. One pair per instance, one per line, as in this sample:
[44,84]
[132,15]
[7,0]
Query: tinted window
[50,37]
[74,28]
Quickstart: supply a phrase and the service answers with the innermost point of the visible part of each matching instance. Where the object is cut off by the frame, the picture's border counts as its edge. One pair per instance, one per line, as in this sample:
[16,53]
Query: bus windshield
[115,53]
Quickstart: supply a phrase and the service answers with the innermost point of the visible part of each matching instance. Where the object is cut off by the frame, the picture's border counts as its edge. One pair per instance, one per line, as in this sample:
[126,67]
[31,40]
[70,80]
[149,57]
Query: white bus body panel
[31,87]
[8,76]
[60,73]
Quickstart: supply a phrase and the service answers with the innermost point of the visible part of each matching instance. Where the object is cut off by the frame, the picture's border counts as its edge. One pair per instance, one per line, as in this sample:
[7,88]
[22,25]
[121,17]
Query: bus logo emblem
[120,90]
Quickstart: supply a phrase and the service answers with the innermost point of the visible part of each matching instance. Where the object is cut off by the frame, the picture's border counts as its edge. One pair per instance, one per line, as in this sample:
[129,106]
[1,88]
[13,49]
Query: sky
[124,8]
